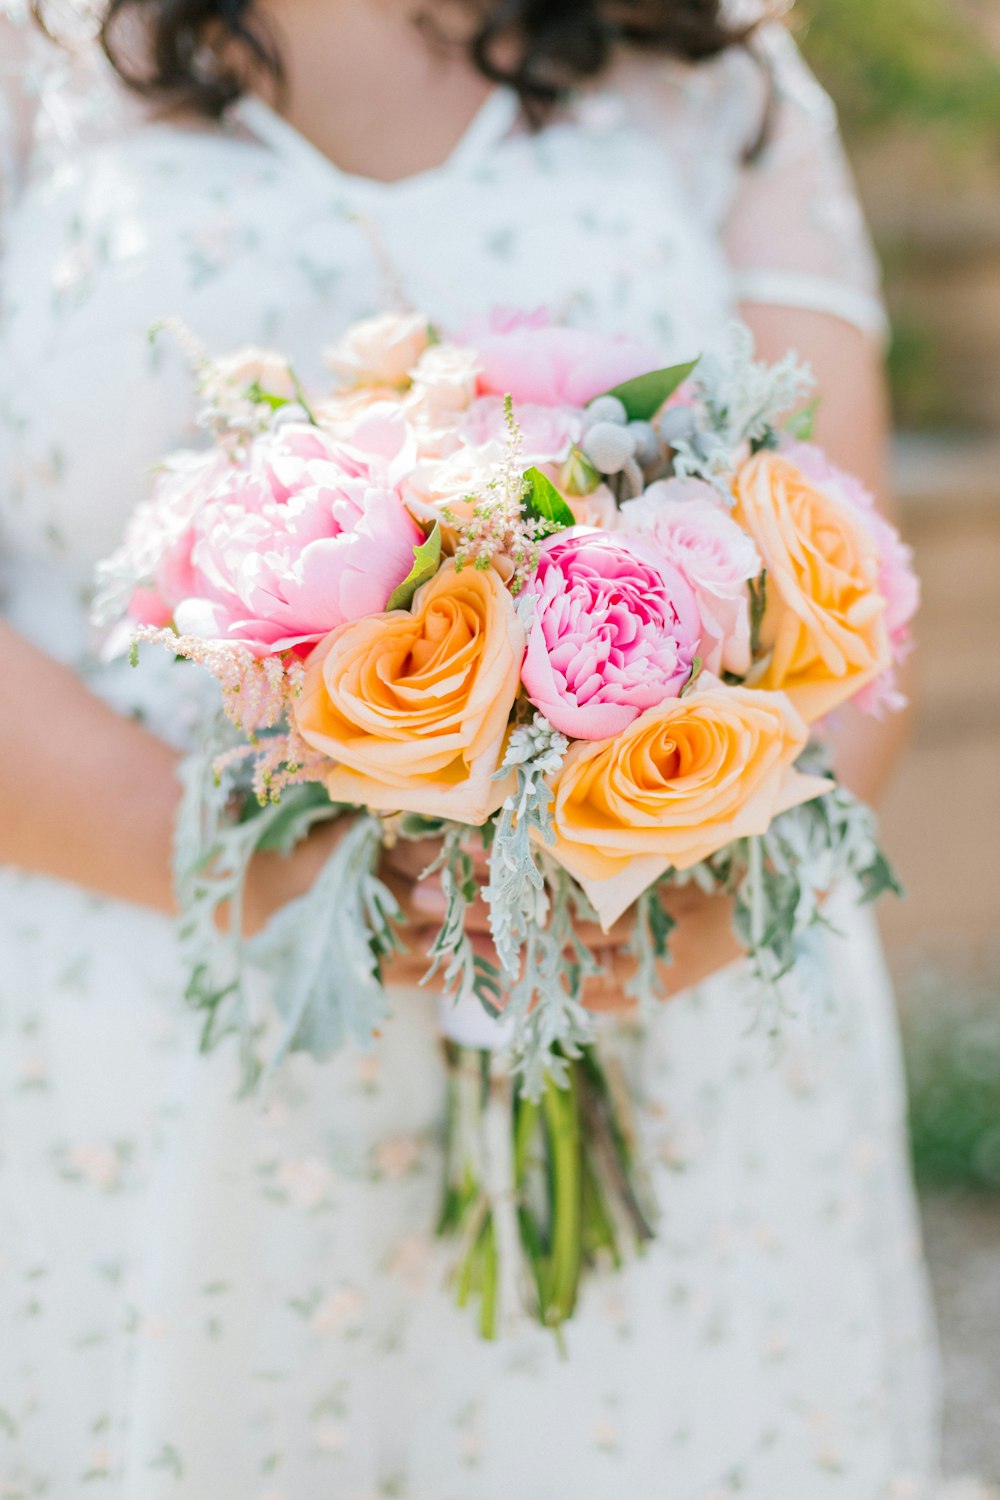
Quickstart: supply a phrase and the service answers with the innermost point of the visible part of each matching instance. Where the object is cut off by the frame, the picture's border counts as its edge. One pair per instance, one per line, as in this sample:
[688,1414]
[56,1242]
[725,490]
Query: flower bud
[605,409]
[609,447]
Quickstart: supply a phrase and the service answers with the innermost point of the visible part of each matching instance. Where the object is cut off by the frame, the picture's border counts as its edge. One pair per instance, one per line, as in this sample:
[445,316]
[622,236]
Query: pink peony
[526,357]
[547,432]
[897,581]
[298,538]
[615,631]
[686,523]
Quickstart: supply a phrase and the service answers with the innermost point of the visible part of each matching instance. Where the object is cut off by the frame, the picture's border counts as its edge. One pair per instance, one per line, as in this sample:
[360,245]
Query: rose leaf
[426,560]
[643,396]
[543,500]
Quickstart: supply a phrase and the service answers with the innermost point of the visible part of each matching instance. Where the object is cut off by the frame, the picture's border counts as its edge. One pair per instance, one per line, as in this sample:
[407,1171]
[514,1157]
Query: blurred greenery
[917,85]
[910,63]
[951,1034]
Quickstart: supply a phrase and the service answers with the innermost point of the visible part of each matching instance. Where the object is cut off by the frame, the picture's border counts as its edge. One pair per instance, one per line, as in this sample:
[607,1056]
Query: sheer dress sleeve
[794,233]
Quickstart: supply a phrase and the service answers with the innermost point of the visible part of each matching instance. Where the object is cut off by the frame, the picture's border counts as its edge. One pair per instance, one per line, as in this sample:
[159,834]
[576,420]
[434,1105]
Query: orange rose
[680,783]
[412,705]
[824,624]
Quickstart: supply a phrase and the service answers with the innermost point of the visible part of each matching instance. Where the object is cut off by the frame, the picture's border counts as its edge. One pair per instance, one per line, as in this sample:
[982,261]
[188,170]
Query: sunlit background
[918,87]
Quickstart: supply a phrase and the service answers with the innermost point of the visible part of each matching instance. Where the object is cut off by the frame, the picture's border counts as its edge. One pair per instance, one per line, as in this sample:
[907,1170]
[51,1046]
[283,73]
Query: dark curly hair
[187,55]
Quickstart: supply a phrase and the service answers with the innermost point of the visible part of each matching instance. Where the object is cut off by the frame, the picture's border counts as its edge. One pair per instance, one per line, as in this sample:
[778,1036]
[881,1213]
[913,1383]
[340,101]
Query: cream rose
[412,706]
[381,350]
[679,784]
[824,625]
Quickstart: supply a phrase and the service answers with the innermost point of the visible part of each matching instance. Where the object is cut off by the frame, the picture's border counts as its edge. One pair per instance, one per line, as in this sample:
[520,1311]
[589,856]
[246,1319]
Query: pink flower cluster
[308,520]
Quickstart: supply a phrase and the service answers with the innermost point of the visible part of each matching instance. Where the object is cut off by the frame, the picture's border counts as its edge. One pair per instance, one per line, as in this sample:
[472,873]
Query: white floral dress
[203,1298]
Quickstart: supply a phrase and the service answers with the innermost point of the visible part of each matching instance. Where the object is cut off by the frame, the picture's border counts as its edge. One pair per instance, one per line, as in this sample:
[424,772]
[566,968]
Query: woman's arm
[92,796]
[852,426]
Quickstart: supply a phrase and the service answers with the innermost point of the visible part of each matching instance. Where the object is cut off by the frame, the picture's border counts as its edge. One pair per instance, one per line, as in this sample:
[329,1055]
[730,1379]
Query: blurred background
[917,83]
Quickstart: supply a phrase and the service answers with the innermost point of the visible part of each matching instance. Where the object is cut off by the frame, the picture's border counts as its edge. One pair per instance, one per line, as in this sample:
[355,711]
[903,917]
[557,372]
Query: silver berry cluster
[633,453]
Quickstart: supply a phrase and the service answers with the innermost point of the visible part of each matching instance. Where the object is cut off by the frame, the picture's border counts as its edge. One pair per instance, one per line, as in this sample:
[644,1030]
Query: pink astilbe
[256,691]
[281,760]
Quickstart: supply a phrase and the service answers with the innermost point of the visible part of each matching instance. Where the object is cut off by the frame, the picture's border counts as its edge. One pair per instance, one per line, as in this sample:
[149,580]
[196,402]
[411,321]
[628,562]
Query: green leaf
[426,560]
[542,499]
[643,396]
[878,878]
[300,807]
[696,667]
[257,394]
[801,425]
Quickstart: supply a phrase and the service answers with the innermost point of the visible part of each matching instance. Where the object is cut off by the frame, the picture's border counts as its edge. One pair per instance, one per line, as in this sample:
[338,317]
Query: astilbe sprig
[257,691]
[498,525]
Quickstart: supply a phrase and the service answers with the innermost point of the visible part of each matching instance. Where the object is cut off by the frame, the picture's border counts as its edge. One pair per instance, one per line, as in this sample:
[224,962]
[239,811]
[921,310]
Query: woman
[204,1298]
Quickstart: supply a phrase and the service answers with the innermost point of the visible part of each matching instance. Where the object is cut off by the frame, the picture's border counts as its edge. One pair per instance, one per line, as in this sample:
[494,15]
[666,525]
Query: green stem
[610,1143]
[488,1306]
[563,1119]
[598,1228]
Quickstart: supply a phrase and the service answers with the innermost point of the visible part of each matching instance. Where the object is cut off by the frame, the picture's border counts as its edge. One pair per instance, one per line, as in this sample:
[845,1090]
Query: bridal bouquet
[517,585]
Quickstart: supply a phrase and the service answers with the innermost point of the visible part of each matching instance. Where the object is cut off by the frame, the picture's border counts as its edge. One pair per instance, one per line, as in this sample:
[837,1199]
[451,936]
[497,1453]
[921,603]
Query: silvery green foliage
[550,1023]
[781,878]
[743,399]
[650,944]
[342,927]
[466,975]
[324,950]
[212,853]
[516,892]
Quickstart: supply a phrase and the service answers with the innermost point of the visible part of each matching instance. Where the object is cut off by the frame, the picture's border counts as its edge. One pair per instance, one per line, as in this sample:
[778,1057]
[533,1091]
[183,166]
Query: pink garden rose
[687,524]
[615,631]
[526,357]
[465,459]
[298,538]
[897,581]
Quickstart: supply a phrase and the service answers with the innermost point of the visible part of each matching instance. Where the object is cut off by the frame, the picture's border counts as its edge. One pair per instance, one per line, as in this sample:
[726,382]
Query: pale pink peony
[546,432]
[298,538]
[898,583]
[149,571]
[528,358]
[688,525]
[615,631]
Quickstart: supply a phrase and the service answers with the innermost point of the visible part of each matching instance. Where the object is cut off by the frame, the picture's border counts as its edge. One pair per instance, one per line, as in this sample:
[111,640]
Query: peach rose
[412,705]
[824,625]
[381,350]
[680,783]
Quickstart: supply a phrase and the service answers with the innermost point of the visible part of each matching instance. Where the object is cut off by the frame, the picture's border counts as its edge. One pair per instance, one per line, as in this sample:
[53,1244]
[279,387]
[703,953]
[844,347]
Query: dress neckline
[491,124]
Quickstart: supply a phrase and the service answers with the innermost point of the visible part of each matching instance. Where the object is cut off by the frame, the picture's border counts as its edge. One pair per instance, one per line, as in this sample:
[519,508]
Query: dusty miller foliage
[743,401]
[464,972]
[780,879]
[516,893]
[532,912]
[322,951]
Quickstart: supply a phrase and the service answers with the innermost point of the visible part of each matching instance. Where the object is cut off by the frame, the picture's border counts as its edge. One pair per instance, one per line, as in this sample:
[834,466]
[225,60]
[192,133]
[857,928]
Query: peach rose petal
[678,785]
[824,625]
[412,706]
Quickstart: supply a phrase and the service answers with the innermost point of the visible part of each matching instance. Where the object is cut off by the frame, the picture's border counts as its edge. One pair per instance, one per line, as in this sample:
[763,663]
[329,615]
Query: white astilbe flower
[498,527]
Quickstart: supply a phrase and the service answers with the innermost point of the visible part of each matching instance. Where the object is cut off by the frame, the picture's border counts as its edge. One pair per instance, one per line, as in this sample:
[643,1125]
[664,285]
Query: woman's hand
[701,943]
